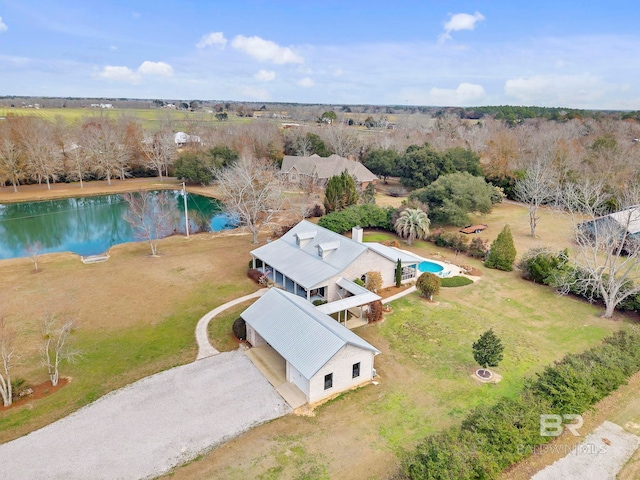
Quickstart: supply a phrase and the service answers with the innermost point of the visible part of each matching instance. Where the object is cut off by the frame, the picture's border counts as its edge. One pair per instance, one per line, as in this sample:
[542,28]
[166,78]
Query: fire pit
[484,374]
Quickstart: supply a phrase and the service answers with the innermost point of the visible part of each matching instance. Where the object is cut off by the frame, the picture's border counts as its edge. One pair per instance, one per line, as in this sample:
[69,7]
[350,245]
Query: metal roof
[393,254]
[360,296]
[304,336]
[302,263]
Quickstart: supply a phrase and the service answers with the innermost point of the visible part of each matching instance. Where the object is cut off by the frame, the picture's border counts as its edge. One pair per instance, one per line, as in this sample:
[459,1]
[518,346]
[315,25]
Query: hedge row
[492,438]
[367,215]
[476,248]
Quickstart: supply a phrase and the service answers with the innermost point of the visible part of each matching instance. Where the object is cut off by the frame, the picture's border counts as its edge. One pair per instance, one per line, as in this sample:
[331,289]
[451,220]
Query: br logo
[552,425]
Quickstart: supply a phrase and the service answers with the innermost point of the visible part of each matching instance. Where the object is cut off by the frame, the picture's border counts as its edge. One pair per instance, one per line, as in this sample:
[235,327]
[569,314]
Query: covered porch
[288,284]
[350,309]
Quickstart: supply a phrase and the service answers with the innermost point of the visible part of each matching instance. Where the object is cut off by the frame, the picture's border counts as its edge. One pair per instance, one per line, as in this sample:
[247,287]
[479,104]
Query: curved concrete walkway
[202,336]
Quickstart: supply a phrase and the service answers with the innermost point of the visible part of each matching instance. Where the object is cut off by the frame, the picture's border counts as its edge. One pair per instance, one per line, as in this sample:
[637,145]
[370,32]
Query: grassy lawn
[138,316]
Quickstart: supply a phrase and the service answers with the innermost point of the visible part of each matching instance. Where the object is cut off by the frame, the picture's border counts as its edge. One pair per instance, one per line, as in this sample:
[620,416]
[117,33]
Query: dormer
[324,249]
[302,238]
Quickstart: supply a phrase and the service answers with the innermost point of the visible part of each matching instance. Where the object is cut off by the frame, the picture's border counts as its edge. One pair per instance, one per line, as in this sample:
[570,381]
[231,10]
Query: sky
[413,52]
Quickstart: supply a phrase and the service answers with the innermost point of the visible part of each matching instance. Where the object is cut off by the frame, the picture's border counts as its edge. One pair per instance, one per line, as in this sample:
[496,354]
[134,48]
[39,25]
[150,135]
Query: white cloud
[559,90]
[3,26]
[265,75]
[159,69]
[113,48]
[125,74]
[306,82]
[119,74]
[212,39]
[256,93]
[337,72]
[460,21]
[464,94]
[265,50]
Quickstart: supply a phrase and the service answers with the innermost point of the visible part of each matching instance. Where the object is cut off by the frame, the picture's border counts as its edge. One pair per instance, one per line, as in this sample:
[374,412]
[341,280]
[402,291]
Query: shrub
[367,215]
[541,264]
[239,328]
[503,252]
[477,248]
[391,243]
[256,275]
[457,281]
[374,281]
[319,301]
[375,311]
[358,281]
[428,285]
[453,240]
[317,210]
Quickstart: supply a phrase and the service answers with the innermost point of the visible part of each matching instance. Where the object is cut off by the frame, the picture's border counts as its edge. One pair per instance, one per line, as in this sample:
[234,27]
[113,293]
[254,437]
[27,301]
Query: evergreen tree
[398,273]
[503,252]
[340,192]
[412,224]
[487,351]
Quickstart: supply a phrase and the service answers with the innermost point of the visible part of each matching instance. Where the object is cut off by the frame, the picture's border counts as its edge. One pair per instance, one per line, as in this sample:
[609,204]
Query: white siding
[295,377]
[369,261]
[341,365]
[254,337]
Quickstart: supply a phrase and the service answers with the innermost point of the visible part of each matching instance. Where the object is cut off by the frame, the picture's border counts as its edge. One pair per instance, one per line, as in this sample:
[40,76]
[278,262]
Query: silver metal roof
[302,263]
[360,296]
[304,336]
[393,254]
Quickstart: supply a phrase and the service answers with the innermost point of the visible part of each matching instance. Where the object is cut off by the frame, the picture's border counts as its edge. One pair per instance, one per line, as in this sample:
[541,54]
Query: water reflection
[91,225]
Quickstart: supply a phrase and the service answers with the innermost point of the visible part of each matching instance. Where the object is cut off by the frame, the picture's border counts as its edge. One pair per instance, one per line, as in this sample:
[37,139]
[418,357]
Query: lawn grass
[220,328]
[456,281]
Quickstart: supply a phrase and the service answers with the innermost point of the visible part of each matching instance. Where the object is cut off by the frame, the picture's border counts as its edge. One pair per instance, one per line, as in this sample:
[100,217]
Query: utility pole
[186,212]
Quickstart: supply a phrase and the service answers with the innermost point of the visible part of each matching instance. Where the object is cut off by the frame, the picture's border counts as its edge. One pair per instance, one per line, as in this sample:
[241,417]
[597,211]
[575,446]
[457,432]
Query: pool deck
[448,268]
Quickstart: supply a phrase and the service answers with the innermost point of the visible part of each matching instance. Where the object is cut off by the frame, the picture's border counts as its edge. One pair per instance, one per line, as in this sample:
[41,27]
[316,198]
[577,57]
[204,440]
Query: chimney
[356,233]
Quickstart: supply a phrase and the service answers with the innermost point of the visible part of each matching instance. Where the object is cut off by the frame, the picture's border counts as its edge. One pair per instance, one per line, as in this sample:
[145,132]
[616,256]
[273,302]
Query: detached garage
[322,357]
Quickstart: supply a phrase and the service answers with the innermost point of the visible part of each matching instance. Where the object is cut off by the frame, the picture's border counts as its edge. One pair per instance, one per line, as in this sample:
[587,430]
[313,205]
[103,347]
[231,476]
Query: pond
[91,225]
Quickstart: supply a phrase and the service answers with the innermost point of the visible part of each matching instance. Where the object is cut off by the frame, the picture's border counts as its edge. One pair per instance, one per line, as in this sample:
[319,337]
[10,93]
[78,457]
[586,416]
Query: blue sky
[491,52]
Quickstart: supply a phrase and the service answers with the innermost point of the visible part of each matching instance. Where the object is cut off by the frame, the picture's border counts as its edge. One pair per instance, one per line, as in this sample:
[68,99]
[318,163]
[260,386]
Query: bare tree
[252,191]
[8,358]
[105,142]
[150,215]
[12,164]
[159,151]
[536,188]
[33,251]
[607,256]
[44,156]
[342,140]
[56,345]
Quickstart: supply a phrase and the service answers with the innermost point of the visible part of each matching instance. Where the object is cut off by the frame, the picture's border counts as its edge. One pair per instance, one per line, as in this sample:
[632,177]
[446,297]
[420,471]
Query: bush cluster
[476,248]
[487,440]
[366,215]
[239,328]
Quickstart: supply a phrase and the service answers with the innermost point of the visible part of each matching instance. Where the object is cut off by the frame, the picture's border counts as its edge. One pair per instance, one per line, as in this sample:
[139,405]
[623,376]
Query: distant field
[150,118]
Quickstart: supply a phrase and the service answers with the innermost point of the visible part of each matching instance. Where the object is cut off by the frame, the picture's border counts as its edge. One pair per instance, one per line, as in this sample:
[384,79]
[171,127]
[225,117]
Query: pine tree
[340,192]
[487,351]
[503,252]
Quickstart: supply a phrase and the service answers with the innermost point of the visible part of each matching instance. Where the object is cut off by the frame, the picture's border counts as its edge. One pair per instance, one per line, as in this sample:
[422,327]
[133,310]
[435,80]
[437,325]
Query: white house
[322,357]
[315,263]
[181,139]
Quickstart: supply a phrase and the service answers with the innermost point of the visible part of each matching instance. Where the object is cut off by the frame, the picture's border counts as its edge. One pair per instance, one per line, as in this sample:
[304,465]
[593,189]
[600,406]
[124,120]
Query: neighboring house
[624,223]
[315,263]
[322,357]
[321,169]
[181,139]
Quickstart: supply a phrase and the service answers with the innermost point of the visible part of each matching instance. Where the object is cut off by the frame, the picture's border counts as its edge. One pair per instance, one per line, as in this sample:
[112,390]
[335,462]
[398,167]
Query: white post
[186,212]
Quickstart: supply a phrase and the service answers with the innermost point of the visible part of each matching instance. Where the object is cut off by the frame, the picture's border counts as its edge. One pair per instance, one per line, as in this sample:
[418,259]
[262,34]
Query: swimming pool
[430,267]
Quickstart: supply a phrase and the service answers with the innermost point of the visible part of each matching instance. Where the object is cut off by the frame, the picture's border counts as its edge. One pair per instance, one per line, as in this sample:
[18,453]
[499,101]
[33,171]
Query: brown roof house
[321,169]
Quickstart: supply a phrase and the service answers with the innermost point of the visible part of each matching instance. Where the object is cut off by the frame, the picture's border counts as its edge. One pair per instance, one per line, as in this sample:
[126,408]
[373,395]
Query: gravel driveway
[148,427]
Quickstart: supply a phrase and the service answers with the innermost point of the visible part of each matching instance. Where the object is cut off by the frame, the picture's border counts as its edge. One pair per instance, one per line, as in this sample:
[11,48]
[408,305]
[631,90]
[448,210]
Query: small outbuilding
[322,357]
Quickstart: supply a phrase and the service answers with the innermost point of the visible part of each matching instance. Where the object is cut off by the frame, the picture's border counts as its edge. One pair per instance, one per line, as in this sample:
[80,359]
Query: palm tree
[413,223]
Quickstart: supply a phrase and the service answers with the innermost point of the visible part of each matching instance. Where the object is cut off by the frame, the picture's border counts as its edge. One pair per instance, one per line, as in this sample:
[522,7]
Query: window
[355,371]
[328,381]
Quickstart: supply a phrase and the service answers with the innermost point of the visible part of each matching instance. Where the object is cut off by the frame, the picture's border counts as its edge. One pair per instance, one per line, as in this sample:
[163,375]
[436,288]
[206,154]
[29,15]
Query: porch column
[253,259]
